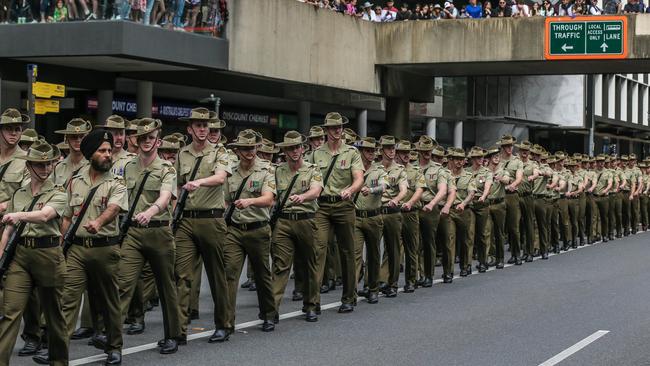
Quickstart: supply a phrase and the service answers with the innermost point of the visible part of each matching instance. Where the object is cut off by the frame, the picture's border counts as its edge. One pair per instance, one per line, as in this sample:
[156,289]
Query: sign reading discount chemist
[580,38]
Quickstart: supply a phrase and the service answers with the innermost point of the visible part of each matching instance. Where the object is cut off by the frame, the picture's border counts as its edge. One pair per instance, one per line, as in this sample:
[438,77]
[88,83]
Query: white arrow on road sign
[565,47]
[604,46]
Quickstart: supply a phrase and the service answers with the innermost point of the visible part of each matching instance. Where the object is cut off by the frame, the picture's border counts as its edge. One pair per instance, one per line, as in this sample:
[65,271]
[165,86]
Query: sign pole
[591,122]
[32,74]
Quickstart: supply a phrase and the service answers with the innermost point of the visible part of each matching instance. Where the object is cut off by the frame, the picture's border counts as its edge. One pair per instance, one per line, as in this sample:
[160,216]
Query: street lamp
[213,99]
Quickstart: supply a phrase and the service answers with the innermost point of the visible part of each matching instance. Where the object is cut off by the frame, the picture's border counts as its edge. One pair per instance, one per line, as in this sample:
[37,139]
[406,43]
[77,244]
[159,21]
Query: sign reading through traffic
[585,38]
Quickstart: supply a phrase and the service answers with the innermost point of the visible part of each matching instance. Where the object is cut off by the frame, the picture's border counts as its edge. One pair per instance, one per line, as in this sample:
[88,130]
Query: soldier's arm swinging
[44,215]
[450,200]
[6,234]
[609,186]
[108,215]
[357,183]
[217,179]
[519,176]
[312,194]
[145,216]
[265,200]
[442,191]
[415,198]
[403,191]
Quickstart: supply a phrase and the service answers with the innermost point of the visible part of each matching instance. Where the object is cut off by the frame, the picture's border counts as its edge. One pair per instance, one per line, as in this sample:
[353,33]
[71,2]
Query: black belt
[368,213]
[96,242]
[508,192]
[525,194]
[494,201]
[151,224]
[390,210]
[250,225]
[540,196]
[203,214]
[40,243]
[330,199]
[297,216]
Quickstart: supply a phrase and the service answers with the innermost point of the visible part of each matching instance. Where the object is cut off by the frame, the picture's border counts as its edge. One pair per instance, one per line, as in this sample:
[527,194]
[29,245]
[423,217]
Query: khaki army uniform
[38,263]
[201,232]
[461,231]
[574,208]
[120,161]
[615,204]
[334,212]
[582,206]
[636,206]
[93,259]
[152,243]
[64,170]
[527,205]
[513,208]
[294,234]
[481,212]
[602,200]
[411,223]
[593,216]
[392,217]
[497,209]
[250,235]
[369,226]
[563,209]
[543,206]
[644,201]
[435,174]
[623,204]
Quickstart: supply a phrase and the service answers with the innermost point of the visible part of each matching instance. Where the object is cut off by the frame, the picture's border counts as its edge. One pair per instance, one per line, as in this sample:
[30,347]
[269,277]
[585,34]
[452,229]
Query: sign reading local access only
[579,38]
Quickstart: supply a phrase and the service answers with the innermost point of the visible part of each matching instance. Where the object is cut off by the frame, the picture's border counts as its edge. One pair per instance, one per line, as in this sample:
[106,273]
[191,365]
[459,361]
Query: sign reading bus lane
[586,38]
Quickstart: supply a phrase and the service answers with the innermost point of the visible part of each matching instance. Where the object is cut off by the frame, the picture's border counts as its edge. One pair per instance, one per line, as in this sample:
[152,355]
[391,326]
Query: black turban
[93,141]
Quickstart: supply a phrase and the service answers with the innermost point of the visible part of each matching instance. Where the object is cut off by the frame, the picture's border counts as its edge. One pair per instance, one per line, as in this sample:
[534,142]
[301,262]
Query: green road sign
[586,38]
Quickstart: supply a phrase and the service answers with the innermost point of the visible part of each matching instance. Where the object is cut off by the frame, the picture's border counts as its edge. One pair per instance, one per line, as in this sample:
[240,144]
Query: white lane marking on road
[148,346]
[573,349]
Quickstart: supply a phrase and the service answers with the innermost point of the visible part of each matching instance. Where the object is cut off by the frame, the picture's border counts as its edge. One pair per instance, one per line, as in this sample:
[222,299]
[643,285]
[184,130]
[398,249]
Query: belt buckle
[30,242]
[88,242]
[364,214]
[243,227]
[294,216]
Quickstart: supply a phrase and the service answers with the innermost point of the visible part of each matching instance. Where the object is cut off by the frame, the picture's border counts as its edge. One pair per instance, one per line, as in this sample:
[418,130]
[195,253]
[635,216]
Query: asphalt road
[521,315]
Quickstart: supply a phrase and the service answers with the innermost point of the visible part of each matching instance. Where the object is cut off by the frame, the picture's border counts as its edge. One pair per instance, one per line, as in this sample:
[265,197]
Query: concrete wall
[289,40]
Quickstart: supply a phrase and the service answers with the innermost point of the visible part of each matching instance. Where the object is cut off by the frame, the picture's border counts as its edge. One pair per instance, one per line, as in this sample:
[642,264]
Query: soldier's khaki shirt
[111,191]
[434,174]
[65,168]
[120,161]
[512,165]
[529,169]
[637,173]
[498,189]
[14,176]
[374,177]
[349,161]
[602,176]
[481,176]
[261,180]
[539,184]
[308,176]
[565,175]
[214,159]
[631,177]
[161,178]
[415,180]
[574,181]
[395,175]
[50,195]
[591,176]
[465,183]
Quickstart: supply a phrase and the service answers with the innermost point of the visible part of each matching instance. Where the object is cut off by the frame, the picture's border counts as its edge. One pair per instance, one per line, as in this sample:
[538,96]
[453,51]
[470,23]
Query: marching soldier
[515,168]
[437,180]
[38,261]
[480,207]
[593,215]
[410,217]
[369,224]
[169,147]
[562,186]
[131,128]
[298,185]
[623,196]
[74,132]
[600,188]
[526,200]
[394,192]
[316,139]
[635,176]
[573,195]
[543,203]
[96,240]
[582,197]
[342,171]
[151,183]
[462,218]
[252,190]
[496,197]
[202,170]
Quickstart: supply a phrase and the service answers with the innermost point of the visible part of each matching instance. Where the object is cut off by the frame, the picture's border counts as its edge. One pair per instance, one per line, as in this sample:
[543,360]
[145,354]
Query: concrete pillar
[362,122]
[611,96]
[431,127]
[304,117]
[458,134]
[144,98]
[104,105]
[397,118]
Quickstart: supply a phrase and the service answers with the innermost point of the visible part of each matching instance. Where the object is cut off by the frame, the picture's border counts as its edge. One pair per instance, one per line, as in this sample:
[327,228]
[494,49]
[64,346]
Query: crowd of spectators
[204,16]
[446,9]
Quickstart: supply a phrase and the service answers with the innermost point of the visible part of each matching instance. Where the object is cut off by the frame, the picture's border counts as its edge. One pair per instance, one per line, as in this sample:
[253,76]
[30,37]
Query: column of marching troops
[331,198]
